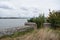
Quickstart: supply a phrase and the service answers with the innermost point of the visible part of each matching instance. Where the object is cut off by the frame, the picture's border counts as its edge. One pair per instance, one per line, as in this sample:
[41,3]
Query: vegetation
[41,34]
[16,34]
[54,19]
[38,20]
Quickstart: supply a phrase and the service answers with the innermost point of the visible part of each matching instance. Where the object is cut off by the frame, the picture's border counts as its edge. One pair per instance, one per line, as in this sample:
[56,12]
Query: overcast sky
[27,8]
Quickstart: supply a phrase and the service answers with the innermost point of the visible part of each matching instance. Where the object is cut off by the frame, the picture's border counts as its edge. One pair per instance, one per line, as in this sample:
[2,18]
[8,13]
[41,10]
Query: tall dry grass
[41,34]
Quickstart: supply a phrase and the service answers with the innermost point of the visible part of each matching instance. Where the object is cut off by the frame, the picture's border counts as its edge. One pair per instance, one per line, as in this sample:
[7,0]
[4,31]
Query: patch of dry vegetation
[41,34]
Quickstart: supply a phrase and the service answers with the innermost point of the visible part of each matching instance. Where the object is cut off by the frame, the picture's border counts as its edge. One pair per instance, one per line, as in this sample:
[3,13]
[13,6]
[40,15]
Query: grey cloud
[5,7]
[8,13]
[36,10]
[29,12]
[24,8]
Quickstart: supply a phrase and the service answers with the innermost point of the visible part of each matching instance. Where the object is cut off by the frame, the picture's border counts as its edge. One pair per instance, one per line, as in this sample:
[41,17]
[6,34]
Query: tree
[38,20]
[54,19]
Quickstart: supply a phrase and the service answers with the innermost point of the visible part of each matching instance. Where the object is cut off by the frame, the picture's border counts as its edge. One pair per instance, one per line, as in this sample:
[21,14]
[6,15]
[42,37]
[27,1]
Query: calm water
[8,23]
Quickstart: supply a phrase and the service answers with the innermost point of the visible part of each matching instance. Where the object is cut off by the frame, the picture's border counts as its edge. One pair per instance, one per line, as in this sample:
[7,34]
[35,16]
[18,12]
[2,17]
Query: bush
[38,20]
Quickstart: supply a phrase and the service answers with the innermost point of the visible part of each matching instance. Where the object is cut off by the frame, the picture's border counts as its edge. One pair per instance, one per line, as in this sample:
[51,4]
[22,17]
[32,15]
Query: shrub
[38,20]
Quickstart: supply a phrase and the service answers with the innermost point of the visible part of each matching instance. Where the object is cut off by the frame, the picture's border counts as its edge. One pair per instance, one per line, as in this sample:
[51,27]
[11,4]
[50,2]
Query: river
[9,23]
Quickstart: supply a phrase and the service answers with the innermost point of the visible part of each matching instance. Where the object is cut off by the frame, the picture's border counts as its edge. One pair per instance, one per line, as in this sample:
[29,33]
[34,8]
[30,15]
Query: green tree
[54,19]
[38,20]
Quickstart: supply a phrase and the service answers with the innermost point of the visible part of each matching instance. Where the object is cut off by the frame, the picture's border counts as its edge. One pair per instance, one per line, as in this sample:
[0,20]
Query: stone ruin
[31,24]
[47,25]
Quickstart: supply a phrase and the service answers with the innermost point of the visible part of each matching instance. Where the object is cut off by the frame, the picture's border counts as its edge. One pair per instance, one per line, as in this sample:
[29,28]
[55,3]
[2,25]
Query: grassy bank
[41,34]
[17,34]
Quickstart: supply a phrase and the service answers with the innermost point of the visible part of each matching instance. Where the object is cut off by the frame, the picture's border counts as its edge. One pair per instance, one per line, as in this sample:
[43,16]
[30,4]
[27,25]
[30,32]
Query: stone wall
[47,25]
[31,24]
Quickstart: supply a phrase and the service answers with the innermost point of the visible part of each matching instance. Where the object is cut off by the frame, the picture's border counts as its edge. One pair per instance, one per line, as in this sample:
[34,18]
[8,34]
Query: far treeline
[53,18]
[14,17]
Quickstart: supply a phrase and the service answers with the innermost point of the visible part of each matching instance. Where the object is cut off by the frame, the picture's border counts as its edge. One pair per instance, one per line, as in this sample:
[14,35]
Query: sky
[27,8]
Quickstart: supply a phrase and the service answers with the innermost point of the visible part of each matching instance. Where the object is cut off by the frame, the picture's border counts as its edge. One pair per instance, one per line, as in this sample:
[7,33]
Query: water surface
[9,23]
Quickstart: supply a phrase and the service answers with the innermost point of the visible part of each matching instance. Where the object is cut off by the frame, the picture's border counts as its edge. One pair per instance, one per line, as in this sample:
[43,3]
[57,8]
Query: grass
[16,34]
[41,34]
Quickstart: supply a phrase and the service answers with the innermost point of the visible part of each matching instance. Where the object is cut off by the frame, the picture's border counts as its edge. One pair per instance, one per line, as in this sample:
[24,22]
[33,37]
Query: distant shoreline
[14,17]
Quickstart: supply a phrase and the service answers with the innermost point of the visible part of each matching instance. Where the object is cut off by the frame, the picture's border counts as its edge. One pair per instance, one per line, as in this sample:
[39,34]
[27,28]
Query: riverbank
[40,34]
[10,31]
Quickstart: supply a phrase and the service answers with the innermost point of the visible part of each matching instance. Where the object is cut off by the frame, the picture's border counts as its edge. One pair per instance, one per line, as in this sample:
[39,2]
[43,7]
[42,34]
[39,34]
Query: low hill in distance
[14,17]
